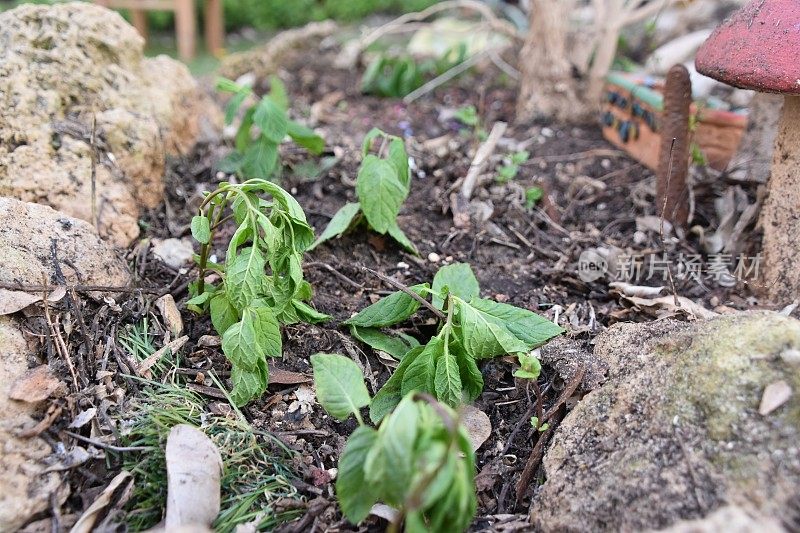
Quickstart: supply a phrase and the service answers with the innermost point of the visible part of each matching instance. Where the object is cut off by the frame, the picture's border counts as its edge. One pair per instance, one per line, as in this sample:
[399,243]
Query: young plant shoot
[469,329]
[382,185]
[419,460]
[248,305]
[263,127]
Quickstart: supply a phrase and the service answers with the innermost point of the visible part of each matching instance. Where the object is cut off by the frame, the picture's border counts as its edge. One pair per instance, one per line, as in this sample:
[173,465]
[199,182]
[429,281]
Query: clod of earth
[757,49]
[675,432]
[85,108]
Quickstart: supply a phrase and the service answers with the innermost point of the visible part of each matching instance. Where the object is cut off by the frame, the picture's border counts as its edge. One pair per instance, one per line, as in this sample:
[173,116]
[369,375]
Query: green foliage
[263,128]
[532,196]
[510,167]
[539,427]
[467,115]
[248,307]
[530,367]
[472,328]
[382,185]
[397,76]
[419,460]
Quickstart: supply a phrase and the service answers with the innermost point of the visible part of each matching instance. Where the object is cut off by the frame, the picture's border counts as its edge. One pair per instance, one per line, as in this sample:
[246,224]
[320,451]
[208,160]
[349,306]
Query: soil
[524,256]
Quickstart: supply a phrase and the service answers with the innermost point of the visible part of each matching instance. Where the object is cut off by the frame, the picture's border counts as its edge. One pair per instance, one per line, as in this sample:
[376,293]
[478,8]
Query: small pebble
[402,265]
[433,257]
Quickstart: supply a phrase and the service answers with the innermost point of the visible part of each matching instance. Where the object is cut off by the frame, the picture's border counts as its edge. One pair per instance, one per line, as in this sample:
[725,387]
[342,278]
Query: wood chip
[775,395]
[478,426]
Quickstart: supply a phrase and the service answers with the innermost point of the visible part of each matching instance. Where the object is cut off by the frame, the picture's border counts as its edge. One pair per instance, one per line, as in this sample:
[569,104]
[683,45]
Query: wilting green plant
[382,185]
[248,305]
[510,167]
[469,329]
[419,460]
[397,76]
[263,128]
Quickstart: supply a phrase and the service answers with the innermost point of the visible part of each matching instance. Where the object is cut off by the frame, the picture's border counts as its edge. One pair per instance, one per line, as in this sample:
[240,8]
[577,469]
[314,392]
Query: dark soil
[526,257]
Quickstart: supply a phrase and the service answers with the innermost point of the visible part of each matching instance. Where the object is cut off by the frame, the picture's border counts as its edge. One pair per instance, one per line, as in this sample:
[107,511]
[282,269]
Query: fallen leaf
[305,400]
[143,368]
[35,385]
[194,468]
[117,493]
[286,377]
[169,311]
[477,424]
[381,510]
[74,458]
[83,418]
[209,341]
[665,306]
[775,395]
[636,290]
[14,301]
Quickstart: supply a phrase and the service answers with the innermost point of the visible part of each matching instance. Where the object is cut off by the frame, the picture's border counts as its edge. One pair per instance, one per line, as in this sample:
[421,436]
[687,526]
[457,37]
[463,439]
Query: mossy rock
[675,432]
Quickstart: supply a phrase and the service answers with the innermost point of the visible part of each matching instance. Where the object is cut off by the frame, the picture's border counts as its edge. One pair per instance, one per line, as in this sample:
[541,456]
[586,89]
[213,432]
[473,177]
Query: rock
[25,488]
[63,66]
[567,355]
[730,519]
[675,433]
[175,253]
[30,233]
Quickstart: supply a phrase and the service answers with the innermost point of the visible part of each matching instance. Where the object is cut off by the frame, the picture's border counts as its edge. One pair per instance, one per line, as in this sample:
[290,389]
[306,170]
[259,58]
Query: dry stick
[485,11]
[444,77]
[61,348]
[92,149]
[399,286]
[24,287]
[335,272]
[481,158]
[661,229]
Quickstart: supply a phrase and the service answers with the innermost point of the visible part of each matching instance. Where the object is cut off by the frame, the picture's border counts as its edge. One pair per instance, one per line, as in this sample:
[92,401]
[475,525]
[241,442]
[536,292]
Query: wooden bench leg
[215,27]
[139,18]
[185,28]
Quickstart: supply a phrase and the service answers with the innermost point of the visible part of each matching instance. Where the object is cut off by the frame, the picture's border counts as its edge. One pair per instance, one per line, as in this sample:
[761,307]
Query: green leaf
[395,346]
[340,223]
[340,385]
[305,137]
[373,134]
[419,376]
[248,384]
[243,135]
[356,496]
[482,336]
[223,313]
[389,310]
[234,104]
[240,345]
[447,381]
[231,162]
[260,159]
[201,229]
[532,329]
[471,377]
[390,461]
[459,280]
[530,367]
[380,192]
[390,395]
[308,314]
[244,276]
[228,86]
[266,328]
[277,92]
[399,158]
[397,234]
[271,120]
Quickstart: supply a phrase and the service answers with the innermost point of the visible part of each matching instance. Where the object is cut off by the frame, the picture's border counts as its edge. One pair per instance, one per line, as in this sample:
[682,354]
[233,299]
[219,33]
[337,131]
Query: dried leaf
[388,513]
[169,311]
[35,385]
[143,369]
[665,306]
[641,291]
[14,301]
[775,395]
[477,424]
[194,468]
[285,377]
[83,418]
[117,493]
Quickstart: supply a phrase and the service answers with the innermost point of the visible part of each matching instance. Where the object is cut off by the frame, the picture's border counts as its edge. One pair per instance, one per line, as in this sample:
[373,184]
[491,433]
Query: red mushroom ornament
[758,48]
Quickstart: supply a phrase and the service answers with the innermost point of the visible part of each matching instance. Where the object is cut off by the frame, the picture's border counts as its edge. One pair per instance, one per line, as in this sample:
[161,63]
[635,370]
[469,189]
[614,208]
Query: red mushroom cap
[757,48]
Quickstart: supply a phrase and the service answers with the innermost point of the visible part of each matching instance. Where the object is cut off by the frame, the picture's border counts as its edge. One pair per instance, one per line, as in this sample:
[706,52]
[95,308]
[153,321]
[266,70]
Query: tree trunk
[547,87]
[780,217]
[754,156]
